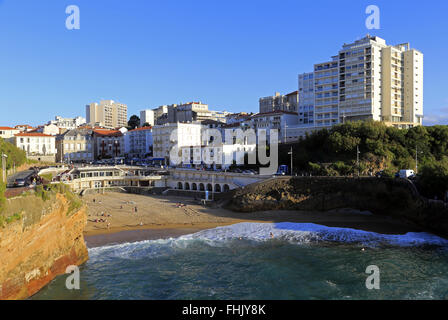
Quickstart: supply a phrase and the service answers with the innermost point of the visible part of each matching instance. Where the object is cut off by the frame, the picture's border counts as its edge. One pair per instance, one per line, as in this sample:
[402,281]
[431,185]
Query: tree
[146,124]
[134,122]
[434,178]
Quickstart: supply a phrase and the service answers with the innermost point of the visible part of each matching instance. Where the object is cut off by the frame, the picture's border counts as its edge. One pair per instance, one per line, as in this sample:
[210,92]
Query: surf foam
[298,233]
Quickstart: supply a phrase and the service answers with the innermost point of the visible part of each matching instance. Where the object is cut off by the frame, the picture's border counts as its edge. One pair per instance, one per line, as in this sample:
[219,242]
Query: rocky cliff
[39,244]
[393,197]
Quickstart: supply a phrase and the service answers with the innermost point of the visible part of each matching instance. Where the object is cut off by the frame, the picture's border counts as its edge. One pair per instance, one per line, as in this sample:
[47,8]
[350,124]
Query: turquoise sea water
[243,261]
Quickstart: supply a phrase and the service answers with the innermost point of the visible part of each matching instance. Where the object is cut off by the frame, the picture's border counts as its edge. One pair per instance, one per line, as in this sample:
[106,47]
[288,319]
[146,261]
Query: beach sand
[160,217]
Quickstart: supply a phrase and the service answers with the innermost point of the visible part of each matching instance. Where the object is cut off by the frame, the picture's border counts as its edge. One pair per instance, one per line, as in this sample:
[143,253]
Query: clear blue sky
[224,53]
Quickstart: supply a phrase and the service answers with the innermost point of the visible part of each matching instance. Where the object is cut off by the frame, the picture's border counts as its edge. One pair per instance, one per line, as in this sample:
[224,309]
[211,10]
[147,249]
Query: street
[19,175]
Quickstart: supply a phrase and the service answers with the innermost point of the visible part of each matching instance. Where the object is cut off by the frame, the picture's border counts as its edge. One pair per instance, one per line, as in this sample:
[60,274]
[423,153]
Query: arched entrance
[201,187]
[194,186]
[187,186]
[209,187]
[179,185]
[217,188]
[226,188]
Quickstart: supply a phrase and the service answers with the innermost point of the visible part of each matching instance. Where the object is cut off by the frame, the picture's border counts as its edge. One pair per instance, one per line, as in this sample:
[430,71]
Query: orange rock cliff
[40,245]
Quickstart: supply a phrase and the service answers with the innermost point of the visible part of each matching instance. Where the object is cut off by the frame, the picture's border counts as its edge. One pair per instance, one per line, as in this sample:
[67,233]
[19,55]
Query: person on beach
[272,235]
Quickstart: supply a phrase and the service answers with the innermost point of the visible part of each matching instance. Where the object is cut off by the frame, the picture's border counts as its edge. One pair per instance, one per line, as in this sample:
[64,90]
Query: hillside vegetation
[15,157]
[333,152]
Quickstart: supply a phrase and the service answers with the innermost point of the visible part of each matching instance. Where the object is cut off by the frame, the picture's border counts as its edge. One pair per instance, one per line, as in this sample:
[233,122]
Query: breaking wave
[295,233]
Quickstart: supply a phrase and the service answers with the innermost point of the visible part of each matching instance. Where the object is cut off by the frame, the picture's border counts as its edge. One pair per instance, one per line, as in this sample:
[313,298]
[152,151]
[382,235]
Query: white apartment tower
[107,113]
[368,79]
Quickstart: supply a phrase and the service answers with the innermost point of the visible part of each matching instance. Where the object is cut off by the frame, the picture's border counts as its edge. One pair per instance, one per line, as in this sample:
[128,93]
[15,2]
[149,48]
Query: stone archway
[201,187]
[209,187]
[217,188]
[179,185]
[194,186]
[187,186]
[226,188]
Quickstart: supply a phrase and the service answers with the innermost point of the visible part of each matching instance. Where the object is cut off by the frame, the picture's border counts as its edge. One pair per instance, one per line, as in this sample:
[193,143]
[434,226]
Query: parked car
[19,183]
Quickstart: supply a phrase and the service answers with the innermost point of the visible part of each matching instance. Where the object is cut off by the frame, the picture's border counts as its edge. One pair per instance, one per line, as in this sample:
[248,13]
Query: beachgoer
[272,235]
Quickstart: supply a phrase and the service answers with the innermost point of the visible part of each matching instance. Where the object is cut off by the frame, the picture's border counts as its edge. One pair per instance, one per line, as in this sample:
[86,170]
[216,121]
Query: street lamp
[4,167]
[416,158]
[357,158]
[290,153]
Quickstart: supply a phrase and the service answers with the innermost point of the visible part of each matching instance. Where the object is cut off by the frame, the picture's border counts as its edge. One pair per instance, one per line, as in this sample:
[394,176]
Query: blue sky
[224,53]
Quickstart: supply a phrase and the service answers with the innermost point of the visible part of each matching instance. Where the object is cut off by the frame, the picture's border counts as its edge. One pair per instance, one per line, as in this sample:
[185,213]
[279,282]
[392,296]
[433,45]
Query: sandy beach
[121,217]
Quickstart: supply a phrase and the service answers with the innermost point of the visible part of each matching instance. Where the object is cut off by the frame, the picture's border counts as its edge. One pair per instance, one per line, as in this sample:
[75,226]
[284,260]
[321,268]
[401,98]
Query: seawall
[38,246]
[391,197]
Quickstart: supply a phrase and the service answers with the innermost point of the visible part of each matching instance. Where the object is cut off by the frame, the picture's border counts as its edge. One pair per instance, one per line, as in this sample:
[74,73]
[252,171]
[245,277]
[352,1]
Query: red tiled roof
[106,132]
[24,125]
[32,134]
[141,129]
[7,128]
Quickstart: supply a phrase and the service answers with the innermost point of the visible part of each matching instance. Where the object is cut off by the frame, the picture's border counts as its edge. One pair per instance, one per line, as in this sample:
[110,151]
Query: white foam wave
[298,233]
[310,232]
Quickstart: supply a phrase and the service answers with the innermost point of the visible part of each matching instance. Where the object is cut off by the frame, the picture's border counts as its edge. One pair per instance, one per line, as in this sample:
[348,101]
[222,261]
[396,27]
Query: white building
[8,133]
[277,120]
[147,116]
[34,143]
[138,142]
[166,136]
[68,123]
[24,128]
[49,129]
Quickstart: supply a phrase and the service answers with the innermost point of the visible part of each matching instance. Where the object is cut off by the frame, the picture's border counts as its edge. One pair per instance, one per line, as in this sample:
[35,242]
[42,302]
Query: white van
[406,173]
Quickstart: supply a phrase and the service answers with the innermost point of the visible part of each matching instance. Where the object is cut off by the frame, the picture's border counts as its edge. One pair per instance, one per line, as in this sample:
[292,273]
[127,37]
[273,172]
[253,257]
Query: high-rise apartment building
[154,116]
[279,102]
[184,112]
[368,79]
[107,113]
[306,100]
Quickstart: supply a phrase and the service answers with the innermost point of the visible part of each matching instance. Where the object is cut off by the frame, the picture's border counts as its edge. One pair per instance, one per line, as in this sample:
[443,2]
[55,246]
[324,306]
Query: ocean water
[244,261]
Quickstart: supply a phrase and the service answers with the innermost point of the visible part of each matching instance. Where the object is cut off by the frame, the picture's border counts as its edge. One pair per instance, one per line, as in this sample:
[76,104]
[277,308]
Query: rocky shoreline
[40,245]
[387,197]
